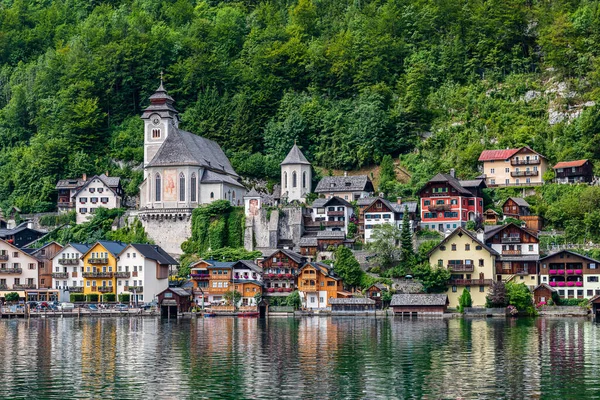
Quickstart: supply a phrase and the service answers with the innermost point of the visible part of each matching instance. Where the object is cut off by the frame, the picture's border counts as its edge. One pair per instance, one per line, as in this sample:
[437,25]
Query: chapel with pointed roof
[296,176]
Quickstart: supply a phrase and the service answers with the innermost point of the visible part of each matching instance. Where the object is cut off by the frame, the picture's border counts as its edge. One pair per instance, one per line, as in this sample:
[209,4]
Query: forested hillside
[431,81]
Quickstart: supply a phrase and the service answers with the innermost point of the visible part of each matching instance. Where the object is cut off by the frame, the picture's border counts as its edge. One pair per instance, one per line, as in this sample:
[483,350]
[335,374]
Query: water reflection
[299,358]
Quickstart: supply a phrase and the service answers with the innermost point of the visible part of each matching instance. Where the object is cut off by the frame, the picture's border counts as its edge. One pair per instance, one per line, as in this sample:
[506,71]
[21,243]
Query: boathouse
[351,305]
[419,304]
[174,300]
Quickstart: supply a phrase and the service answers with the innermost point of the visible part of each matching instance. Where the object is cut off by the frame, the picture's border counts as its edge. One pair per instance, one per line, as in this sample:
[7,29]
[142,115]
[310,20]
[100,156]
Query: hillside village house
[21,235]
[349,188]
[578,171]
[280,271]
[381,212]
[143,271]
[323,243]
[296,176]
[19,273]
[45,254]
[471,262]
[513,167]
[100,265]
[219,280]
[67,270]
[447,203]
[519,252]
[518,208]
[331,214]
[99,191]
[200,280]
[317,284]
[573,275]
[247,280]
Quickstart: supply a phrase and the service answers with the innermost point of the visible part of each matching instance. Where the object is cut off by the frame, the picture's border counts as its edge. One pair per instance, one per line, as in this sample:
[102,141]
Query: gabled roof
[185,148]
[462,230]
[44,246]
[80,247]
[455,183]
[153,252]
[572,253]
[499,228]
[473,183]
[308,241]
[352,301]
[113,248]
[331,235]
[505,154]
[248,264]
[178,291]
[21,250]
[419,300]
[570,164]
[298,258]
[295,156]
[490,210]
[395,207]
[325,269]
[358,183]
[114,183]
[69,183]
[544,286]
[215,177]
[518,200]
[219,264]
[252,193]
[332,200]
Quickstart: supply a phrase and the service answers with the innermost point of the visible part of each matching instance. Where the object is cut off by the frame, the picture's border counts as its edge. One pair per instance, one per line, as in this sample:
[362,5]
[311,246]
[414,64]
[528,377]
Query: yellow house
[471,263]
[99,267]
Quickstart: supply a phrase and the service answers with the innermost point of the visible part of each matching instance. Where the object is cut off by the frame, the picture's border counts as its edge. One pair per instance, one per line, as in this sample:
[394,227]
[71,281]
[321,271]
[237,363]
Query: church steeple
[296,176]
[161,103]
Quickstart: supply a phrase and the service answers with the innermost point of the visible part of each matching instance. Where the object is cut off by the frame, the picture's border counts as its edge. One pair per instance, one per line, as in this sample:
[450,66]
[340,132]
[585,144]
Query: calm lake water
[310,358]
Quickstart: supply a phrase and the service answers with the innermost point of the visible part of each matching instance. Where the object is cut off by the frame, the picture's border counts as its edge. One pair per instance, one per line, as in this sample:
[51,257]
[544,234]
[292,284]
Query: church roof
[160,103]
[215,177]
[185,148]
[252,193]
[295,156]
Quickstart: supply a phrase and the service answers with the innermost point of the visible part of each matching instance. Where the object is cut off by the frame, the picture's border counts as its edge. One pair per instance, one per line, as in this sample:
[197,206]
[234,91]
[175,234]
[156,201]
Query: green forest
[431,82]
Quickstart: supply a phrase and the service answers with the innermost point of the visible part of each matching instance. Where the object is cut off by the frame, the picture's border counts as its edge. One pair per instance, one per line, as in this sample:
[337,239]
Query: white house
[332,213]
[381,211]
[18,271]
[99,191]
[247,280]
[349,188]
[143,271]
[67,270]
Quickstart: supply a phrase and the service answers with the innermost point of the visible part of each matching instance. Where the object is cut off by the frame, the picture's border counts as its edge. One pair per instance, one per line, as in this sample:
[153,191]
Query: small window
[453,247]
[453,289]
[155,133]
[481,289]
[467,247]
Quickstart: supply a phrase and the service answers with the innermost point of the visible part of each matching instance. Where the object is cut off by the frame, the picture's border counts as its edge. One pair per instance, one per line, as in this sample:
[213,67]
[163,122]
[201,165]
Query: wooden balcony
[3,257]
[98,260]
[122,274]
[66,204]
[200,277]
[524,173]
[60,275]
[333,223]
[76,289]
[11,270]
[439,207]
[137,289]
[525,162]
[3,286]
[23,286]
[97,274]
[104,289]
[471,282]
[511,239]
[68,261]
[511,252]
[335,213]
[461,267]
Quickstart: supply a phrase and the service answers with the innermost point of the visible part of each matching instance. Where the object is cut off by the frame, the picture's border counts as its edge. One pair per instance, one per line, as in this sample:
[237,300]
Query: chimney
[345,173]
[399,200]
[447,233]
[84,177]
[30,224]
[380,194]
[106,173]
[452,173]
[481,235]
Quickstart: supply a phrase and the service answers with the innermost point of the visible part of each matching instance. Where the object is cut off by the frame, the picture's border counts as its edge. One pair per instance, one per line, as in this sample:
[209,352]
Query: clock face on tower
[155,120]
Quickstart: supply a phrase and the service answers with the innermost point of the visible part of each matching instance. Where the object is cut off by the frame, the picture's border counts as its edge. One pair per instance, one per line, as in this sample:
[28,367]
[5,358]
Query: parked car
[32,304]
[93,307]
[121,307]
[147,306]
[66,307]
[52,307]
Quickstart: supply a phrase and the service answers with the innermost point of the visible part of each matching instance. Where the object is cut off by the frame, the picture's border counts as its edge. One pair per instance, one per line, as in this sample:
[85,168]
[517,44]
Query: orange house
[317,284]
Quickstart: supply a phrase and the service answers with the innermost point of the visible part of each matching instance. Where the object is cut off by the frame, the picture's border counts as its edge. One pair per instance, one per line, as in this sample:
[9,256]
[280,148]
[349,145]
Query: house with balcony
[21,235]
[247,280]
[331,214]
[100,265]
[349,188]
[45,254]
[67,270]
[220,280]
[99,191]
[573,275]
[519,252]
[518,208]
[143,271]
[280,271]
[322,244]
[578,171]
[446,204]
[200,280]
[66,189]
[513,167]
[382,211]
[19,273]
[471,262]
[317,284]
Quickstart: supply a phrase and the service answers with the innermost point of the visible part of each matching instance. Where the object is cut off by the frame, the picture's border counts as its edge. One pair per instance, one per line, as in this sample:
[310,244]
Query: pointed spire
[295,156]
[160,101]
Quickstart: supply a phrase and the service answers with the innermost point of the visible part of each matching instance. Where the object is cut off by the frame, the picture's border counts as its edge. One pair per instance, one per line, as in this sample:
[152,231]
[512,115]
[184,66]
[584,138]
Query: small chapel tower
[296,176]
[160,118]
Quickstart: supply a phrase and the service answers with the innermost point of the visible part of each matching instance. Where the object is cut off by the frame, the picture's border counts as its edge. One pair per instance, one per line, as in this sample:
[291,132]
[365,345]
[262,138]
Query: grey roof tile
[331,235]
[358,183]
[419,300]
[295,156]
[352,301]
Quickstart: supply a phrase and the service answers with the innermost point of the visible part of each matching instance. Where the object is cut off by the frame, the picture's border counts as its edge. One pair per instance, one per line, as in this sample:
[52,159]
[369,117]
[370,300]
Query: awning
[3,293]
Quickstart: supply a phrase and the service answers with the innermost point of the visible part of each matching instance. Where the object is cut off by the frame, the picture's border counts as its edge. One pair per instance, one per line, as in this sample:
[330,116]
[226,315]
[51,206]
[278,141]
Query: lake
[309,358]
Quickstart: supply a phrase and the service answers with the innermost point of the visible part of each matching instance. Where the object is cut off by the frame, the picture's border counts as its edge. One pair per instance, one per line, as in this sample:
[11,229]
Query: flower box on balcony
[288,289]
[553,284]
[578,272]
[570,284]
[579,284]
[279,264]
[279,276]
[270,290]
[289,276]
[280,290]
[561,284]
[552,272]
[570,271]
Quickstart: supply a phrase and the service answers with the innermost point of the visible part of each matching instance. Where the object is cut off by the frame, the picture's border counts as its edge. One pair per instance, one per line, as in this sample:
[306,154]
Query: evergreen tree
[387,174]
[464,300]
[347,267]
[408,253]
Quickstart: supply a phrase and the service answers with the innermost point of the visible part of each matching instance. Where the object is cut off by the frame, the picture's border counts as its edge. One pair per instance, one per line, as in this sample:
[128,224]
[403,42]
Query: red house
[448,203]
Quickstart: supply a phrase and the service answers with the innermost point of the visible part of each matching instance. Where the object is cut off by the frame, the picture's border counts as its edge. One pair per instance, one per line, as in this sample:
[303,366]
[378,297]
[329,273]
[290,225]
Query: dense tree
[464,301]
[347,267]
[497,295]
[434,279]
[519,295]
[384,243]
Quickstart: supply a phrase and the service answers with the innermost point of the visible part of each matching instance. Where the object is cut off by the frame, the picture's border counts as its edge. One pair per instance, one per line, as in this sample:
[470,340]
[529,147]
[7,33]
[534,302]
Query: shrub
[12,297]
[91,298]
[464,300]
[109,297]
[124,298]
[76,297]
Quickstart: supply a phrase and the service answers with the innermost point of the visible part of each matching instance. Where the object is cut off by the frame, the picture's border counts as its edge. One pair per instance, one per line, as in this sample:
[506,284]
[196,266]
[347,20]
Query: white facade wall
[320,214]
[571,291]
[96,194]
[314,300]
[152,144]
[17,259]
[71,253]
[302,188]
[142,272]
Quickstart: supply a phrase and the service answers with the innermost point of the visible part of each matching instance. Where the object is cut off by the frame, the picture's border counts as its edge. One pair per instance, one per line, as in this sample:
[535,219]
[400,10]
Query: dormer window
[155,133]
[348,184]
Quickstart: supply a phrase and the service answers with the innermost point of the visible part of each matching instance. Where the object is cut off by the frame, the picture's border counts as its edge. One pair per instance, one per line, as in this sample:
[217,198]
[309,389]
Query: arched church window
[212,195]
[193,187]
[304,180]
[155,133]
[285,180]
[294,179]
[157,187]
[181,187]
